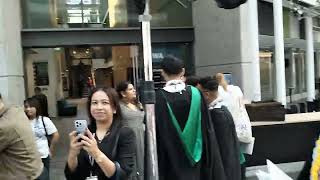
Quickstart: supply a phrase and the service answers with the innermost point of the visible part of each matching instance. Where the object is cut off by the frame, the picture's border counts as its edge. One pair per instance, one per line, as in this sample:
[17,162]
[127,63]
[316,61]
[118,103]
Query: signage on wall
[161,51]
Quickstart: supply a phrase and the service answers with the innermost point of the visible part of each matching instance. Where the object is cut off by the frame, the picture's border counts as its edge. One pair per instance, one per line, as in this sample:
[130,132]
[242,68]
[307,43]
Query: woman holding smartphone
[133,117]
[107,150]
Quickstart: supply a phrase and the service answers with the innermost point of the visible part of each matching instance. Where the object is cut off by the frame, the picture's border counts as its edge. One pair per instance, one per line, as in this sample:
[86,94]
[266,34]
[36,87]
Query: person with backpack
[45,132]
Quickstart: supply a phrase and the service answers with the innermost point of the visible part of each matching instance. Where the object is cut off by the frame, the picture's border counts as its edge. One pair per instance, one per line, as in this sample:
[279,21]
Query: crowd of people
[197,122]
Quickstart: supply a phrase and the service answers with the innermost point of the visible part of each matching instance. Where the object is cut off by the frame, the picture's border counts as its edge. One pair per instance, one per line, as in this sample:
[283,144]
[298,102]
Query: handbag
[240,116]
[49,137]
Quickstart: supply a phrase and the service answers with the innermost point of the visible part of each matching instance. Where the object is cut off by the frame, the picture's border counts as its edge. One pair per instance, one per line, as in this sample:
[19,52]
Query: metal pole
[151,158]
[279,52]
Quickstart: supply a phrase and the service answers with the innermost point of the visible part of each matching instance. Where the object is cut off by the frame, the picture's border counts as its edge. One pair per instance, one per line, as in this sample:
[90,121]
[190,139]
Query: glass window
[179,50]
[41,77]
[171,13]
[295,72]
[300,67]
[103,13]
[266,78]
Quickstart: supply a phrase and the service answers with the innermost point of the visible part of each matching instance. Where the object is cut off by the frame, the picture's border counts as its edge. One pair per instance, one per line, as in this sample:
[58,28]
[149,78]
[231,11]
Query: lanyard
[91,160]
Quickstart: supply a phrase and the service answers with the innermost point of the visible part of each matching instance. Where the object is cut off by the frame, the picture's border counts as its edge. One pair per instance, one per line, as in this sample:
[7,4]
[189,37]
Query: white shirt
[174,86]
[40,134]
[232,97]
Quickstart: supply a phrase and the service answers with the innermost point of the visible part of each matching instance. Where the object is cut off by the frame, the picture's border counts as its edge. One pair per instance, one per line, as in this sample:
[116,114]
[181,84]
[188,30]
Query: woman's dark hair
[34,102]
[192,80]
[211,85]
[204,80]
[121,87]
[171,65]
[114,101]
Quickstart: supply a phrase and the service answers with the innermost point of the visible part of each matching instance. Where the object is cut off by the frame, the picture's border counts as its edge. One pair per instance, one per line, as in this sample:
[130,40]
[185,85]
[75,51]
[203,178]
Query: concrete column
[310,60]
[279,52]
[250,62]
[12,85]
[254,42]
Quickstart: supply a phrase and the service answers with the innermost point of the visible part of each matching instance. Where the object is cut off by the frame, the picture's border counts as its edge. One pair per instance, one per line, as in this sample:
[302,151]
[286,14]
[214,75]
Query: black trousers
[243,171]
[46,163]
[45,175]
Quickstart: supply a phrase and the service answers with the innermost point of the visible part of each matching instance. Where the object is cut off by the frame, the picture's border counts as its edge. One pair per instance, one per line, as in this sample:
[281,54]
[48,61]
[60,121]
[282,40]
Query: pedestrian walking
[45,132]
[133,117]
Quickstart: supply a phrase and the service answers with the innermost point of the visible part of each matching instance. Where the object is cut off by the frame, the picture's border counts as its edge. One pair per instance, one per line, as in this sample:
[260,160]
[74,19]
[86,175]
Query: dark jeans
[46,163]
[46,168]
[44,175]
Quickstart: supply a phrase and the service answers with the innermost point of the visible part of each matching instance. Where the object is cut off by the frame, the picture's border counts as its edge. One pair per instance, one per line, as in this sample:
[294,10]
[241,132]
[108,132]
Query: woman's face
[31,112]
[101,108]
[130,93]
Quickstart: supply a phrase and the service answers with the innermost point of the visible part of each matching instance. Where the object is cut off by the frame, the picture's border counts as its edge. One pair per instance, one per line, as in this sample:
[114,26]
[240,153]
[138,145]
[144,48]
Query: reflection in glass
[266,71]
[103,13]
[300,72]
[171,13]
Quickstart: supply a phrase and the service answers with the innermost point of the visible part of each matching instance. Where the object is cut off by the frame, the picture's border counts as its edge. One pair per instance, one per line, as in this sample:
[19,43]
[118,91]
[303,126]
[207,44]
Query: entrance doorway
[73,71]
[106,66]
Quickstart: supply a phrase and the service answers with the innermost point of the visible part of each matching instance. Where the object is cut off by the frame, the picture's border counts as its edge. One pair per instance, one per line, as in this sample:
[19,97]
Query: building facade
[270,47]
[267,47]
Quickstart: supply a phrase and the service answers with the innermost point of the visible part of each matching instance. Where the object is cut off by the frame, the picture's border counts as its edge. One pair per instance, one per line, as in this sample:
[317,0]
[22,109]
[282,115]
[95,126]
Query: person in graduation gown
[186,142]
[225,129]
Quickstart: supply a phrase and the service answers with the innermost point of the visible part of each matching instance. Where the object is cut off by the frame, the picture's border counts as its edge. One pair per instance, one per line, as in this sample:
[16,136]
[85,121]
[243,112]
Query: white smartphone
[80,126]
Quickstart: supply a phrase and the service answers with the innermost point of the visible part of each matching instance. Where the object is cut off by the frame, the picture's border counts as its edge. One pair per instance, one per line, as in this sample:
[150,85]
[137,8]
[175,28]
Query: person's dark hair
[204,80]
[0,96]
[37,89]
[114,101]
[171,65]
[211,85]
[192,80]
[33,102]
[122,86]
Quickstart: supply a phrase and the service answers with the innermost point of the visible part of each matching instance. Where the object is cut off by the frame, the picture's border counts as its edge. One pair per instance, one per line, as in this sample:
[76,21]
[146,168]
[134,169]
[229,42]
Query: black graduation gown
[172,160]
[228,141]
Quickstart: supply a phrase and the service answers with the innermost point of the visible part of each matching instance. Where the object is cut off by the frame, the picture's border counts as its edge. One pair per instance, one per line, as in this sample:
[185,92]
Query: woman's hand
[90,144]
[75,145]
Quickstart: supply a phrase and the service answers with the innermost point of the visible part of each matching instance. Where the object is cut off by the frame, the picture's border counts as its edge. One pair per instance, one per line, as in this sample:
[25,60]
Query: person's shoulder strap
[44,126]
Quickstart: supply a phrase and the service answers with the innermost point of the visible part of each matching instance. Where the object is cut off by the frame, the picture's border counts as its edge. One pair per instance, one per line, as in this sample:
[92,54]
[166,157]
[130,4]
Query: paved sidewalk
[65,126]
[292,169]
